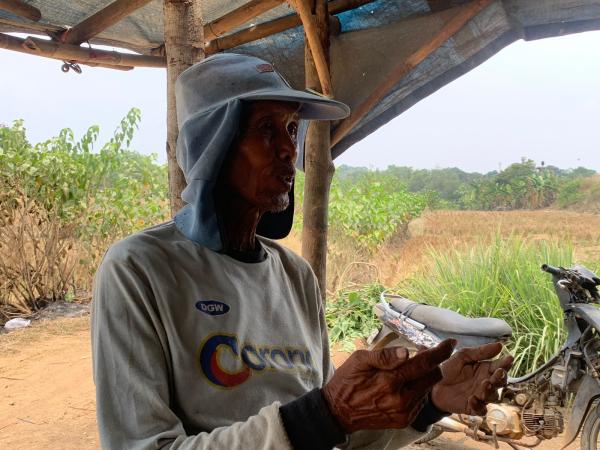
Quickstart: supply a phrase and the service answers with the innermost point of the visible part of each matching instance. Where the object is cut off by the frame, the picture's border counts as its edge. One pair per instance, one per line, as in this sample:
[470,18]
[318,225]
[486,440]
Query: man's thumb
[389,358]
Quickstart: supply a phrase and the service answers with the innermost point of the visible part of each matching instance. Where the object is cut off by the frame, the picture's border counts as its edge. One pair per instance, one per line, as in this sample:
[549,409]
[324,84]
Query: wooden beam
[238,17]
[318,165]
[274,26]
[84,55]
[21,9]
[453,26]
[184,45]
[100,21]
[46,29]
[316,46]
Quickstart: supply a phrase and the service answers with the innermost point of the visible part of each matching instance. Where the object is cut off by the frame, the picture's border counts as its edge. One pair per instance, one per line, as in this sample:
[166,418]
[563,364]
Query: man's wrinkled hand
[470,380]
[384,388]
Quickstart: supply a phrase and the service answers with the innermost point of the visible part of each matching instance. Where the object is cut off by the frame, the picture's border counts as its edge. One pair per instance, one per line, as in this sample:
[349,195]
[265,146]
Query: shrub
[79,198]
[349,314]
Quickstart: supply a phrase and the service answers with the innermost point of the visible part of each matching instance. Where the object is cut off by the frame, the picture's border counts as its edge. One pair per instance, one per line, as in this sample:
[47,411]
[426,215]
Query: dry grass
[403,255]
[36,262]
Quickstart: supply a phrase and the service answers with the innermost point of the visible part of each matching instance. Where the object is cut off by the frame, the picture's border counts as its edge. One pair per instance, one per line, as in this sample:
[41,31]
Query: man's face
[260,166]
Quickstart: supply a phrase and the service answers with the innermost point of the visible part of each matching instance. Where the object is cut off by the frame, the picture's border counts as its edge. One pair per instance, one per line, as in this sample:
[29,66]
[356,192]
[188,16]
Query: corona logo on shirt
[227,363]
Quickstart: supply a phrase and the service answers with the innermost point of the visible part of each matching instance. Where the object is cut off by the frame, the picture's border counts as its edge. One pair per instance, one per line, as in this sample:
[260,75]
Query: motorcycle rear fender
[588,391]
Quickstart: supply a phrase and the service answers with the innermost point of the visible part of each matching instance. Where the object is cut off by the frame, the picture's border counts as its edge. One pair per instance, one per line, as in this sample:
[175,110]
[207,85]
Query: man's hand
[384,388]
[469,381]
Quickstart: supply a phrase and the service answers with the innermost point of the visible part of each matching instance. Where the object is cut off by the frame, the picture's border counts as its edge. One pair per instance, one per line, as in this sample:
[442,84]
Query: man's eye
[293,129]
[267,128]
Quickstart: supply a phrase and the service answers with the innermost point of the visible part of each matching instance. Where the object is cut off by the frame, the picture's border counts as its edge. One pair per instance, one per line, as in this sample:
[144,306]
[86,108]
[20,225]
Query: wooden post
[313,35]
[184,45]
[318,165]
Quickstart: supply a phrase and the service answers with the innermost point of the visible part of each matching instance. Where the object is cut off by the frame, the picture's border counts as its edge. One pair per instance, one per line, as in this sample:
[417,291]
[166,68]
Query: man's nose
[286,148]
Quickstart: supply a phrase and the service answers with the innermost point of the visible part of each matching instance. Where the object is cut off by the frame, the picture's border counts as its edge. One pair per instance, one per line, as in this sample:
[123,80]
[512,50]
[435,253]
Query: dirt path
[47,396]
[47,390]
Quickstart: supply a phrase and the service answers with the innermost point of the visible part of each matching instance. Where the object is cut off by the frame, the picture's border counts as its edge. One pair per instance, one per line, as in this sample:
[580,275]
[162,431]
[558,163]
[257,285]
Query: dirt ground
[47,390]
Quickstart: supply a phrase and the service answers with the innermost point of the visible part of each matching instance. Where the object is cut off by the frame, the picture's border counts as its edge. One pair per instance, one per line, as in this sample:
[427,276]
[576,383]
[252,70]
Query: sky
[538,99]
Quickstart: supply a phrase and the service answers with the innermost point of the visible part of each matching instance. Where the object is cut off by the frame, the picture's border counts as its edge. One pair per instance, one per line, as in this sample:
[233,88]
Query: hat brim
[312,106]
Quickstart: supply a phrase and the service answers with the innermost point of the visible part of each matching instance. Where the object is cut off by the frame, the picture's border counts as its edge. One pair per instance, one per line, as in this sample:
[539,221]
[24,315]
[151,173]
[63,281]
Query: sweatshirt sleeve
[131,374]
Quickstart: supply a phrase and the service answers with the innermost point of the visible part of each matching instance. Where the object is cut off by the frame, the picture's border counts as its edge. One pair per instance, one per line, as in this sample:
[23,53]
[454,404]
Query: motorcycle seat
[450,322]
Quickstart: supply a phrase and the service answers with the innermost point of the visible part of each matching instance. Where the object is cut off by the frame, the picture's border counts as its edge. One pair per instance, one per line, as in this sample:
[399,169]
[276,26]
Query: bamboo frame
[274,26]
[456,22]
[237,17]
[100,21]
[83,55]
[318,164]
[315,44]
[21,9]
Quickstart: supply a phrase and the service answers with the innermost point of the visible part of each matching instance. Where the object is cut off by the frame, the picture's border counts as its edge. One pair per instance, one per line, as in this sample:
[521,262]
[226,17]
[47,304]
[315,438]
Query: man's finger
[481,353]
[476,407]
[389,358]
[426,361]
[499,378]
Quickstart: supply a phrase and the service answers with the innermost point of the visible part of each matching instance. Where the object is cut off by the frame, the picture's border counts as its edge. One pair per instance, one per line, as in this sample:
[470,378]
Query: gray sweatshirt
[193,349]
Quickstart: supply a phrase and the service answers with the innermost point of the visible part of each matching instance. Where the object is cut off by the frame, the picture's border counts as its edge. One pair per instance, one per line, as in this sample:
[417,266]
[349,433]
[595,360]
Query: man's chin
[278,204]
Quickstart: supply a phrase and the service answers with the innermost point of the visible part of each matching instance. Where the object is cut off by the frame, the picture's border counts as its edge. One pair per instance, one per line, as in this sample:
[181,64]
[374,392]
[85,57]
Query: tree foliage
[109,192]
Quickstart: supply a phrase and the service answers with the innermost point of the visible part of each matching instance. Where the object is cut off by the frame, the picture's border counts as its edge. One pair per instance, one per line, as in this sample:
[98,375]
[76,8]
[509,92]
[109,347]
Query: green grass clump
[350,315]
[501,279]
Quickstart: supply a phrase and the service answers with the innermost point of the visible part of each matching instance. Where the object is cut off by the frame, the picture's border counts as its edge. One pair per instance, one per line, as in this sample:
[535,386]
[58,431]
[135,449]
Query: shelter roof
[385,45]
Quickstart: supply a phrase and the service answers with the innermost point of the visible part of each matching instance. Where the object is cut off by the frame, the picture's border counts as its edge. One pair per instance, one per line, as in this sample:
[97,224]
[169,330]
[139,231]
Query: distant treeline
[522,185]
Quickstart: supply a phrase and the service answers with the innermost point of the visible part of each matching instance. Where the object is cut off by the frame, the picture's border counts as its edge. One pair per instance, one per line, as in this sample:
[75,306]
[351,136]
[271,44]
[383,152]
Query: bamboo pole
[274,26]
[318,166]
[455,24]
[21,9]
[312,34]
[83,55]
[238,17]
[184,45]
[100,21]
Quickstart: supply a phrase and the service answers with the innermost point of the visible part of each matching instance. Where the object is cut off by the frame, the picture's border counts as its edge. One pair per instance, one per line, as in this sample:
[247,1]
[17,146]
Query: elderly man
[207,334]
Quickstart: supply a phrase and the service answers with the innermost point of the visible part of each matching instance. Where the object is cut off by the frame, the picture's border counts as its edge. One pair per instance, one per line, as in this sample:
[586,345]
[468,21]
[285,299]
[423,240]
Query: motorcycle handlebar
[552,270]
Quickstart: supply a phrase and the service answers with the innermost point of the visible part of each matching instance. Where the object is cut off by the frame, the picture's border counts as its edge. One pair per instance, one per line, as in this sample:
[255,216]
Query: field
[45,371]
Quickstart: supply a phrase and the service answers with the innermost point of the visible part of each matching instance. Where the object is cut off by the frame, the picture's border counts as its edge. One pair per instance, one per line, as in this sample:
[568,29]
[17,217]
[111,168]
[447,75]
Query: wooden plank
[184,45]
[455,24]
[100,21]
[84,55]
[237,17]
[318,165]
[315,44]
[274,26]
[21,9]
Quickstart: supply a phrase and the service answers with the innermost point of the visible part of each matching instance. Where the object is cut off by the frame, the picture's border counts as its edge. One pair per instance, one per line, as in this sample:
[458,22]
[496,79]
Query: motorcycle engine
[504,419]
[547,423]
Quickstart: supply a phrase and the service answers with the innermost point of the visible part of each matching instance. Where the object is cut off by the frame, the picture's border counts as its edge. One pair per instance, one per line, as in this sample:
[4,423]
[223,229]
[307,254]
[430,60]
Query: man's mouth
[288,180]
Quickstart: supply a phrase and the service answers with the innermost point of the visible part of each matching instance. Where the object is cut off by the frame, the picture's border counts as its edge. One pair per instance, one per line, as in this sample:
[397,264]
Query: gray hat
[209,96]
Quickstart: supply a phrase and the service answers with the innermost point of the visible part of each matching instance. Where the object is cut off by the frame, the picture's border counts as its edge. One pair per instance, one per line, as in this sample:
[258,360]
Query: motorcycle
[531,408]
